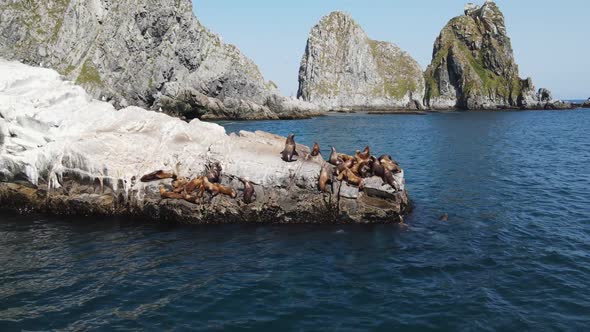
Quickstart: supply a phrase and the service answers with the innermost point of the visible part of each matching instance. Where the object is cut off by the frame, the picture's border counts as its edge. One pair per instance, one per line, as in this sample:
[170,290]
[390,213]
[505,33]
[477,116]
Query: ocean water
[514,254]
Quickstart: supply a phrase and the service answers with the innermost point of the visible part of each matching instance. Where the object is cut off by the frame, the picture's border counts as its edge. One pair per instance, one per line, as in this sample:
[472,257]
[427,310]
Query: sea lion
[390,165]
[366,153]
[356,168]
[158,175]
[444,217]
[193,185]
[377,168]
[214,172]
[316,150]
[365,171]
[333,157]
[179,185]
[289,151]
[170,194]
[325,177]
[215,189]
[249,192]
[350,178]
[388,157]
[390,180]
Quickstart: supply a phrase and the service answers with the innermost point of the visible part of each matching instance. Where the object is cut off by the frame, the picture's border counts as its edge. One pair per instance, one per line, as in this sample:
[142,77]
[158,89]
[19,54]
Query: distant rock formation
[473,66]
[342,68]
[148,53]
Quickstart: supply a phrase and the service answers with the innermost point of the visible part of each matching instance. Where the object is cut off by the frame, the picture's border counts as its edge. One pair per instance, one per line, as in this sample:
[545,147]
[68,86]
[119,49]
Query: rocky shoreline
[62,152]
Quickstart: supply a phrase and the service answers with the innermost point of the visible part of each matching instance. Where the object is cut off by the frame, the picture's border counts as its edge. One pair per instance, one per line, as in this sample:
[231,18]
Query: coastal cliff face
[63,152]
[473,65]
[343,68]
[148,53]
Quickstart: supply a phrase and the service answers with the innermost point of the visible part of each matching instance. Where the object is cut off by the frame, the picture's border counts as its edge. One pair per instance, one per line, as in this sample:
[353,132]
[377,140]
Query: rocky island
[148,53]
[473,66]
[343,68]
[63,152]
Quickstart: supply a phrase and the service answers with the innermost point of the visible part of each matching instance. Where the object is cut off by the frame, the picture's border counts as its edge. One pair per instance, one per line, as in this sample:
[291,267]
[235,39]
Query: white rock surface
[50,126]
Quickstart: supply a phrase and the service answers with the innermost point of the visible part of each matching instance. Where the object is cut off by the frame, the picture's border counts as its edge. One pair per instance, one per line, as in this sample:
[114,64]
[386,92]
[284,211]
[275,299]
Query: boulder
[62,152]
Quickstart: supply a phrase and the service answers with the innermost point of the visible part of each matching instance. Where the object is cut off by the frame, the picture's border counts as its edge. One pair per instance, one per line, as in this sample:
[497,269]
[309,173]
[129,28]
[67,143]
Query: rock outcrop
[147,53]
[343,68]
[473,66]
[63,152]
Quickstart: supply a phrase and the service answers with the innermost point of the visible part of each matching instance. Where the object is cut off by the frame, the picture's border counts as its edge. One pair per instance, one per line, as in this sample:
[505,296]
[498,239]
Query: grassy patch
[89,74]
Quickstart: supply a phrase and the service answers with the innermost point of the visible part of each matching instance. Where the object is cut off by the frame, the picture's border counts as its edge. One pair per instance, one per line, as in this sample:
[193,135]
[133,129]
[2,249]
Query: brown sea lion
[390,165]
[366,153]
[388,157]
[325,177]
[350,178]
[215,189]
[356,168]
[179,184]
[158,175]
[333,157]
[249,192]
[170,194]
[316,150]
[193,185]
[289,151]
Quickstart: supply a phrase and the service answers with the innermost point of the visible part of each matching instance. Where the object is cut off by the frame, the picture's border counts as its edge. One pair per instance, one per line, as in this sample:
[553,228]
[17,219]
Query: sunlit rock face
[343,68]
[61,151]
[149,53]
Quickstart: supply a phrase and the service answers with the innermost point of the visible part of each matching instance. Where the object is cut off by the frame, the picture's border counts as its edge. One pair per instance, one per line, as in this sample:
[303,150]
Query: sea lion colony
[343,167]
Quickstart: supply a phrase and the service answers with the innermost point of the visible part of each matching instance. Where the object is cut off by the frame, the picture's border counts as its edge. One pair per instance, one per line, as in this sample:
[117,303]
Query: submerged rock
[147,53]
[63,152]
[473,66]
[343,68]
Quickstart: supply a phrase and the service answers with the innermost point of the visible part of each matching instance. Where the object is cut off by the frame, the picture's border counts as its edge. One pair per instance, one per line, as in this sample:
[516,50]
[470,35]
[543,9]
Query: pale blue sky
[550,38]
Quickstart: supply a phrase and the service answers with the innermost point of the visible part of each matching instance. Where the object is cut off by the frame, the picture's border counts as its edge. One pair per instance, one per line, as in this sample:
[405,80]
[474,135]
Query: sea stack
[343,68]
[473,65]
[147,53]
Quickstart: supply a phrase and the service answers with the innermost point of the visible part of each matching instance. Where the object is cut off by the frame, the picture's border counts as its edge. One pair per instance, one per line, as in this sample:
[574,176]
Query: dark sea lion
[365,171]
[158,175]
[377,168]
[214,172]
[333,157]
[249,192]
[390,180]
[289,151]
[325,177]
[316,150]
[444,217]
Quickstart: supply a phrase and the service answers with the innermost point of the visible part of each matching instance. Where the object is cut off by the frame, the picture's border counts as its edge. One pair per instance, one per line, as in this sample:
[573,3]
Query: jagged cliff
[149,53]
[473,65]
[343,68]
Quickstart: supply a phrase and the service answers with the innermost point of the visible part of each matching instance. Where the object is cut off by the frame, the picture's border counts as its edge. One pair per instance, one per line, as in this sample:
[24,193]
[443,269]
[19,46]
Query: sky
[549,38]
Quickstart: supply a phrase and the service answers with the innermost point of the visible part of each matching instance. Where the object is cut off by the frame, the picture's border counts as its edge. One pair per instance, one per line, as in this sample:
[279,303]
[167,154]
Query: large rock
[473,65]
[147,53]
[63,152]
[343,68]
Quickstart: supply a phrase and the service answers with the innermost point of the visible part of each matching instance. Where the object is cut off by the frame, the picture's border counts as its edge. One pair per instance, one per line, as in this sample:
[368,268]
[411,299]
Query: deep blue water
[514,255]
